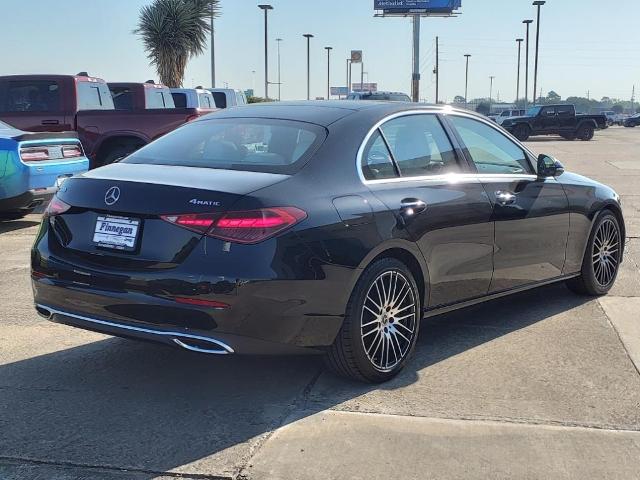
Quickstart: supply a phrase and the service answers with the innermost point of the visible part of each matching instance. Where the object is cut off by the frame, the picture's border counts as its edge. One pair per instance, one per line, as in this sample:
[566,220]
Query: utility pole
[308,36]
[362,76]
[437,72]
[213,53]
[537,3]
[415,77]
[328,49]
[490,92]
[279,40]
[526,68]
[466,81]
[348,79]
[633,98]
[266,9]
[519,41]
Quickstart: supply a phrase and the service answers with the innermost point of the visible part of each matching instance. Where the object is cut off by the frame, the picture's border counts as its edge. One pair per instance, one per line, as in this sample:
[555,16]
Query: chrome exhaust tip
[44,312]
[203,345]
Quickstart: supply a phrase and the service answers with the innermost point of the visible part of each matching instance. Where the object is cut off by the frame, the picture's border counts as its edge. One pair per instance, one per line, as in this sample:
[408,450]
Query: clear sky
[586,45]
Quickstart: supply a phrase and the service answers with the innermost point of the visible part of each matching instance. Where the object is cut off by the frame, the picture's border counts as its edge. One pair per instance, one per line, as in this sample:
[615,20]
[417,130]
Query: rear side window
[252,144]
[205,100]
[220,99]
[376,160]
[491,151]
[564,110]
[179,100]
[420,146]
[94,96]
[31,96]
[158,98]
[122,98]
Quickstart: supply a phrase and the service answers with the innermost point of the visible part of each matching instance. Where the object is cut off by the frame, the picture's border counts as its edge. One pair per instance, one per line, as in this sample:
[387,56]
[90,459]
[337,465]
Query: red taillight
[191,118]
[252,226]
[34,154]
[71,151]
[56,207]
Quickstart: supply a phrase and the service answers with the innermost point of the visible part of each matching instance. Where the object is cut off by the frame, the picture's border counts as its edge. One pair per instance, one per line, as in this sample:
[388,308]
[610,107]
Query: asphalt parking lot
[545,384]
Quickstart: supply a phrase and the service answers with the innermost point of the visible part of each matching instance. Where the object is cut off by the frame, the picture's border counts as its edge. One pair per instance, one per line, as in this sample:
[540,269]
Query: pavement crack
[624,346]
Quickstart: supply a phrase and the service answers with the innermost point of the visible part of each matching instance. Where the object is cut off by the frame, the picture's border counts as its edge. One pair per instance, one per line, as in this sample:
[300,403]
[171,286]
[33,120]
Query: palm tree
[173,31]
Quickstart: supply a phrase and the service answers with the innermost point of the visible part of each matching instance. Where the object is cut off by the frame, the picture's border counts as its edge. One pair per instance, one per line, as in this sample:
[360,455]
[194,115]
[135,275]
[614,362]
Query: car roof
[324,112]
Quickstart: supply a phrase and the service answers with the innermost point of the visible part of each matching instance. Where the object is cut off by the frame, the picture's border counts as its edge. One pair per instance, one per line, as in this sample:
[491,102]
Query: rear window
[179,99]
[158,98]
[252,144]
[220,99]
[31,96]
[94,96]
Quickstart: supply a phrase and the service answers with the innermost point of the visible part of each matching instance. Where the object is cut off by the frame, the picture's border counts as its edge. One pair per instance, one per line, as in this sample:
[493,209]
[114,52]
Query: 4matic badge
[206,203]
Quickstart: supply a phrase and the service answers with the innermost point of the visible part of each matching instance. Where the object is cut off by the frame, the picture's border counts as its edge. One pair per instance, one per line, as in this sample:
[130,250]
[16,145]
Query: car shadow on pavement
[146,408]
[12,225]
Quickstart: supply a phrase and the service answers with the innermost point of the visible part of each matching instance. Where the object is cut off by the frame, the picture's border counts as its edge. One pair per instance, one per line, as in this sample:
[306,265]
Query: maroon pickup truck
[57,103]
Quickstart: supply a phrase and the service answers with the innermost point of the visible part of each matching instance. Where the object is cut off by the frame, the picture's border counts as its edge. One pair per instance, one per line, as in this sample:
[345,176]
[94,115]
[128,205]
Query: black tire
[522,132]
[348,355]
[15,215]
[568,136]
[585,132]
[590,281]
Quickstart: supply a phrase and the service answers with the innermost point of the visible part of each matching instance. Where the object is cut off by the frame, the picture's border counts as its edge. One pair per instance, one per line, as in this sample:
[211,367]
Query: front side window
[220,99]
[248,144]
[179,99]
[548,112]
[491,151]
[31,96]
[158,98]
[205,100]
[122,98]
[420,146]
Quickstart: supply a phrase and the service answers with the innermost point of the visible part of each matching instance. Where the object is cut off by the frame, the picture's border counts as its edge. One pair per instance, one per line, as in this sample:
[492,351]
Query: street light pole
[519,41]
[308,36]
[415,77]
[466,80]
[537,3]
[526,67]
[491,92]
[279,40]
[348,80]
[213,52]
[266,9]
[328,49]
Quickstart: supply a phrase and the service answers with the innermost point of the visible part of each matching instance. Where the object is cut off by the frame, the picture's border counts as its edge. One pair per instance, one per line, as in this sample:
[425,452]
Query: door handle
[50,122]
[505,198]
[412,206]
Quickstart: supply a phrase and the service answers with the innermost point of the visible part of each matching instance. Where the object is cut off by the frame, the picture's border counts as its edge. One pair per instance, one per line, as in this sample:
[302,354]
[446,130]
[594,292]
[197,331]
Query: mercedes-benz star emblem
[112,196]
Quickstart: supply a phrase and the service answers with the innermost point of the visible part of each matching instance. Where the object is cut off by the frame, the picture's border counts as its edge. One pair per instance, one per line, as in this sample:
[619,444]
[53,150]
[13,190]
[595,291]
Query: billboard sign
[366,87]
[425,6]
[339,91]
[356,56]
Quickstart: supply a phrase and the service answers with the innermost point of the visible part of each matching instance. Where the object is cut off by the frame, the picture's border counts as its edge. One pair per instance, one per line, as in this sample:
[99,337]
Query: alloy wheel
[605,253]
[389,320]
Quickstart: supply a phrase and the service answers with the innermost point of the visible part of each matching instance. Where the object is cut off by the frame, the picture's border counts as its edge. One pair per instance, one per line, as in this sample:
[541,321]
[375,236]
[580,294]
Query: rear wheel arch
[118,143]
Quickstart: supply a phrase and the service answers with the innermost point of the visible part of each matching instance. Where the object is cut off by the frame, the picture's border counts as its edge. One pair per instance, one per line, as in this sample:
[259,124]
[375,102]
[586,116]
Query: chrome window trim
[449,177]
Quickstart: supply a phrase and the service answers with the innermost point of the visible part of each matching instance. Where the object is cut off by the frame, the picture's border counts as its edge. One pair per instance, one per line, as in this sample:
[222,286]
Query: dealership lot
[545,384]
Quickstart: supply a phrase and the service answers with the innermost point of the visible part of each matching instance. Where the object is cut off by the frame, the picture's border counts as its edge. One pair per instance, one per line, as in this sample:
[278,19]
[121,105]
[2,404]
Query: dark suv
[389,96]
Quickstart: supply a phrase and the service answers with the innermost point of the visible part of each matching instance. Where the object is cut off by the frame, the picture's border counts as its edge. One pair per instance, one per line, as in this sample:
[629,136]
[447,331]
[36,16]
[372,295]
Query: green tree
[617,108]
[483,108]
[173,31]
[458,99]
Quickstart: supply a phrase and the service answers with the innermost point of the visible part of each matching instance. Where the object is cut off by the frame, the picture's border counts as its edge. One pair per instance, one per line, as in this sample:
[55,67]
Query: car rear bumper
[28,200]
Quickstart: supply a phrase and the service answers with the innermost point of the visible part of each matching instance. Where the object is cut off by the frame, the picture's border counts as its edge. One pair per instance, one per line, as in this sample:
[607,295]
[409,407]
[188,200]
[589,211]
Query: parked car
[555,120]
[632,121]
[130,96]
[32,167]
[509,114]
[83,104]
[228,97]
[193,98]
[610,116]
[330,227]
[388,96]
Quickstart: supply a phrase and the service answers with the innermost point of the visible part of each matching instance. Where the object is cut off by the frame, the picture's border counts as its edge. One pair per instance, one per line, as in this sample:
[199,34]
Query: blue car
[32,167]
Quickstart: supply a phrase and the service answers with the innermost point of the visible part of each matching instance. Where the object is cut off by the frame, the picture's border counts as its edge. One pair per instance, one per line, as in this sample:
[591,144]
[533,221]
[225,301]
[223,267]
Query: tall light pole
[328,49]
[466,80]
[279,40]
[537,3]
[519,41]
[213,52]
[266,9]
[415,76]
[491,92]
[348,76]
[526,67]
[308,36]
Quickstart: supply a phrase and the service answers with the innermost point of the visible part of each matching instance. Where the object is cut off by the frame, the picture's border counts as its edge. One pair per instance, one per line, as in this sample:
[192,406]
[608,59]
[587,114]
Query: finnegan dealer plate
[116,232]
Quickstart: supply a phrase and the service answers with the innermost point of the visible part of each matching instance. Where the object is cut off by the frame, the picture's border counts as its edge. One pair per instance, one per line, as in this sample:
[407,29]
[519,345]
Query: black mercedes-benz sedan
[330,227]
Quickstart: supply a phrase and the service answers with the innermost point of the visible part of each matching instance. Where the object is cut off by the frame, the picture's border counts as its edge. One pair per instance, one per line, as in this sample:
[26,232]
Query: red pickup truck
[57,103]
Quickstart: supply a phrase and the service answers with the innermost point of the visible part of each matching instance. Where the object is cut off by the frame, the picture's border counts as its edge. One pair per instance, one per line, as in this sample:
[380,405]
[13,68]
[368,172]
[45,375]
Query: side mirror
[549,167]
